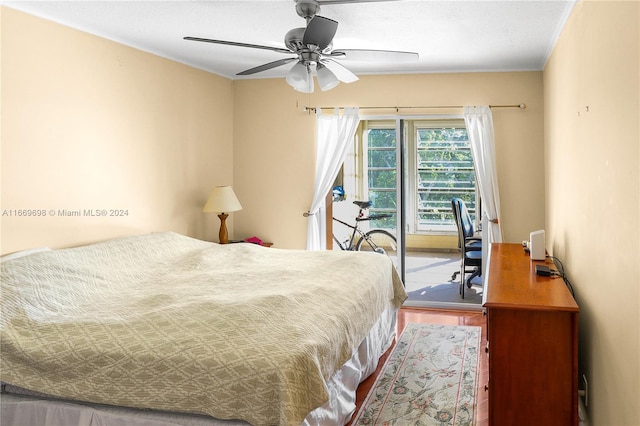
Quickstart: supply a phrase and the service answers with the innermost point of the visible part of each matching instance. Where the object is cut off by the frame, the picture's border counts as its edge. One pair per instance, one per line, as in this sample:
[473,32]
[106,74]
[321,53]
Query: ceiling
[449,36]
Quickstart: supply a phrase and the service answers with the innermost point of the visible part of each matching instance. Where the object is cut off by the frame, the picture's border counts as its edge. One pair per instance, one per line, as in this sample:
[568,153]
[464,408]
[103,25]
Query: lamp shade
[326,79]
[222,200]
[300,78]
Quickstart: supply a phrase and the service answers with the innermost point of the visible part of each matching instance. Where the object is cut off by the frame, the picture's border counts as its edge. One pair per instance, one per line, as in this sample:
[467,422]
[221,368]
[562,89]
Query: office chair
[469,245]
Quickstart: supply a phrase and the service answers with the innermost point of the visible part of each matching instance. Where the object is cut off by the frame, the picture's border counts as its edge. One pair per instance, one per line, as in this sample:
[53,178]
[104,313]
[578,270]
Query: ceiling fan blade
[268,66]
[340,71]
[320,31]
[233,43]
[363,55]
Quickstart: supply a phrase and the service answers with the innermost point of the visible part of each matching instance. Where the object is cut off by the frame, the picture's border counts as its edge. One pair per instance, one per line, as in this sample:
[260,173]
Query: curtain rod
[314,109]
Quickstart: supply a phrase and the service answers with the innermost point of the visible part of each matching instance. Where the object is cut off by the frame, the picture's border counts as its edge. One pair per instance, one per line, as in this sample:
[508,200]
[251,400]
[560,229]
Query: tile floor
[428,279]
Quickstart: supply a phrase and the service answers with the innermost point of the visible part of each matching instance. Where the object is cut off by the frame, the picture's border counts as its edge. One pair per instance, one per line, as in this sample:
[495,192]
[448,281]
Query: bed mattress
[170,323]
[21,407]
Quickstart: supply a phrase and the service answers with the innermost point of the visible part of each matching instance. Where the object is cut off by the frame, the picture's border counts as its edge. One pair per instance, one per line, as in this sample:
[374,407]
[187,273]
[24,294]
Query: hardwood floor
[437,316]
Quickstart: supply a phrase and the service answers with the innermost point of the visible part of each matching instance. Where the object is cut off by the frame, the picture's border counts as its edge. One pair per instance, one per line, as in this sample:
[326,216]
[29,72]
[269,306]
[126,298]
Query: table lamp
[222,200]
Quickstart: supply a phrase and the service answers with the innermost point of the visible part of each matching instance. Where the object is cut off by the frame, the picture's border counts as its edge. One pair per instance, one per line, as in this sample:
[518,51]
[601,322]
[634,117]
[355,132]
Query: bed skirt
[21,407]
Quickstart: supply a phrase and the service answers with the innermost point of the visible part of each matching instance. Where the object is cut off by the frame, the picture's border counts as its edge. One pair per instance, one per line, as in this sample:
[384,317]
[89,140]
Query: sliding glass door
[439,167]
[410,168]
[372,173]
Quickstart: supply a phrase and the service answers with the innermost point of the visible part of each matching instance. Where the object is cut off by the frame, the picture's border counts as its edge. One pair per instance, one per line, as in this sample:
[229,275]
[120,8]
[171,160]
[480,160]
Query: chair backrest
[463,220]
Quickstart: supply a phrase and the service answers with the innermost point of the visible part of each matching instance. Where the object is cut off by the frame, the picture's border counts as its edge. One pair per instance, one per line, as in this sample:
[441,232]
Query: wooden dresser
[532,332]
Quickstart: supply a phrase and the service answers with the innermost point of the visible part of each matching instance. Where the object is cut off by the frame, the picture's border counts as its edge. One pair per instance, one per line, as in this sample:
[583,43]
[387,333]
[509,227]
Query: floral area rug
[429,379]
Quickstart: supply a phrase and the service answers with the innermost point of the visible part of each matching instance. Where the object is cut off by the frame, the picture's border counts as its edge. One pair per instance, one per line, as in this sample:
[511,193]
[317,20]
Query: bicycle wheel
[379,241]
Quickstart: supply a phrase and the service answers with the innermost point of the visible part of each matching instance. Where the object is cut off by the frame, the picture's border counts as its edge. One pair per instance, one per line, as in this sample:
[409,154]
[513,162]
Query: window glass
[381,174]
[443,170]
[439,168]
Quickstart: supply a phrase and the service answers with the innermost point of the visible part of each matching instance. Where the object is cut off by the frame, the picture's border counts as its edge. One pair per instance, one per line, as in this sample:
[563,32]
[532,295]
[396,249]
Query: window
[380,152]
[441,169]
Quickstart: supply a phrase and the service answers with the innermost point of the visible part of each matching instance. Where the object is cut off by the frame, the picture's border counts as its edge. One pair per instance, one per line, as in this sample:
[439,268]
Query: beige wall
[92,124]
[592,138]
[274,147]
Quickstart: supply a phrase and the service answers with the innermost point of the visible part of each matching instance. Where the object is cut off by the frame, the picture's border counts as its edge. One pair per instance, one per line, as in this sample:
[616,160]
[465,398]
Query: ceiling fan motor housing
[307,9]
[293,39]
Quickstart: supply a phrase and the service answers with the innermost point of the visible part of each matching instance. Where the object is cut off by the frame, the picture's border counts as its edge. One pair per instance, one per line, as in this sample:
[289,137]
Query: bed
[166,329]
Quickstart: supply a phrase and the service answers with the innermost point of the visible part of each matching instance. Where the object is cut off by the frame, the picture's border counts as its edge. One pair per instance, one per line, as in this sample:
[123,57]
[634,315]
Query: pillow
[23,253]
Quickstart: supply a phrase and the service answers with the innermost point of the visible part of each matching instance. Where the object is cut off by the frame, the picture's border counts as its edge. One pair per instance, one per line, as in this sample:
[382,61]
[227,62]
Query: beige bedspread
[168,322]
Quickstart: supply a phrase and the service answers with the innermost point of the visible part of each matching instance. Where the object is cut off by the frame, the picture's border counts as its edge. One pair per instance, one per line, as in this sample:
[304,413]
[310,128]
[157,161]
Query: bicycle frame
[351,244]
[351,240]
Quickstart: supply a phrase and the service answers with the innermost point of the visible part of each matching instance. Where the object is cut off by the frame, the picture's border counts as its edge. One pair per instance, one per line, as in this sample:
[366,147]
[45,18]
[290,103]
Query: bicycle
[377,240]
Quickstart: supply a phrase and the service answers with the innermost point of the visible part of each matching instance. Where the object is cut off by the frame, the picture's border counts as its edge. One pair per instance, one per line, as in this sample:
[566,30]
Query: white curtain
[334,133]
[479,123]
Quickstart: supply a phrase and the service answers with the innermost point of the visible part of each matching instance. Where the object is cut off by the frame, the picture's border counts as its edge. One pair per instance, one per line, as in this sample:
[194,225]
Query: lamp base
[223,236]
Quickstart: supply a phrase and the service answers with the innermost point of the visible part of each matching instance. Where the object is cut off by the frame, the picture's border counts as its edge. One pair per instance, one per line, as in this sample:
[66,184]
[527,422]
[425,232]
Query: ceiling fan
[313,49]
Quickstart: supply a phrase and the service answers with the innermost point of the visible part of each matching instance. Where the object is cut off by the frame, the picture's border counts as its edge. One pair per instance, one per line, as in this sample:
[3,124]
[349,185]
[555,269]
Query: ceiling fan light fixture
[299,77]
[326,79]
